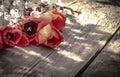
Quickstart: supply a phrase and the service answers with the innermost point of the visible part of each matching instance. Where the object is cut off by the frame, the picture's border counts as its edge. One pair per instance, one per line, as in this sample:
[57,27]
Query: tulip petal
[44,33]
[17,35]
[23,41]
[59,21]
[34,42]
[60,14]
[46,17]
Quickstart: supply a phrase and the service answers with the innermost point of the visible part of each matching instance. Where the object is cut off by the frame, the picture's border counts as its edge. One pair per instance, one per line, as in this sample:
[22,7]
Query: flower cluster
[44,30]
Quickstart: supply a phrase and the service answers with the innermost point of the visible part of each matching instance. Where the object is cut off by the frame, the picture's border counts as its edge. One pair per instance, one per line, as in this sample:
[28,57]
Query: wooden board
[81,43]
[17,61]
[107,64]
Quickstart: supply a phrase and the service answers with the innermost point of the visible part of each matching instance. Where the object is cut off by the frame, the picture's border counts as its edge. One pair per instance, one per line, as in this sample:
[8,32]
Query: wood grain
[81,43]
[73,54]
[107,64]
[16,61]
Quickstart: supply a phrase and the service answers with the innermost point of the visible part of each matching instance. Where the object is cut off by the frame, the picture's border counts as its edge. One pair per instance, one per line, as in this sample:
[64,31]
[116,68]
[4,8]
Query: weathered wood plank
[16,61]
[74,53]
[107,64]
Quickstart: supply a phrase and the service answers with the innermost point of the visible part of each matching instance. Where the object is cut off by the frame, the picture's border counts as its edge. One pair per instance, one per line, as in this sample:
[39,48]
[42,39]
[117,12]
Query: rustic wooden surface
[84,36]
[63,61]
[107,64]
[17,61]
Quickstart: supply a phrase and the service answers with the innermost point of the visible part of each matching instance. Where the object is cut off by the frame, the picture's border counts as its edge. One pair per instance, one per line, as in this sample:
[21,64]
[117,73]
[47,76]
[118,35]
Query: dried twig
[72,11]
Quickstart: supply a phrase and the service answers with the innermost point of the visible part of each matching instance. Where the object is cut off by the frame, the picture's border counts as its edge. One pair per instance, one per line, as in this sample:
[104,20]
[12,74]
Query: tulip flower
[48,35]
[29,27]
[13,36]
[58,19]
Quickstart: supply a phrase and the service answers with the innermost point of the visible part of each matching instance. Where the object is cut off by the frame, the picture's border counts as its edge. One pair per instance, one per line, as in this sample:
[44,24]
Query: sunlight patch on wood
[76,30]
[102,42]
[115,47]
[87,18]
[66,43]
[95,34]
[71,55]
[79,38]
[33,53]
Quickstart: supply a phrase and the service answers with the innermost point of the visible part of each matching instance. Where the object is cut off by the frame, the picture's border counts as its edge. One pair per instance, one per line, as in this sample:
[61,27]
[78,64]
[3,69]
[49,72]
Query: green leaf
[69,16]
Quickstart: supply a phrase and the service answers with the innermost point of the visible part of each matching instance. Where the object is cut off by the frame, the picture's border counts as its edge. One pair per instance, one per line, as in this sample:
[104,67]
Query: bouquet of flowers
[35,29]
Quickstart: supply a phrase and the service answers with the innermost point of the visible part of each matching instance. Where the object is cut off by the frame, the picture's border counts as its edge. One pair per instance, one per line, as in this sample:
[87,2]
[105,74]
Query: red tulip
[57,19]
[48,35]
[12,36]
[1,43]
[29,27]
